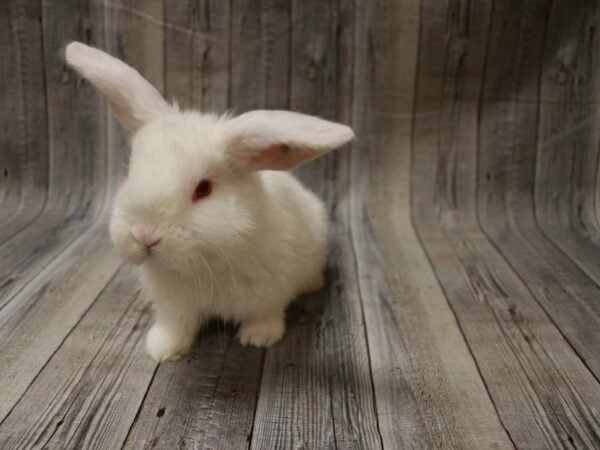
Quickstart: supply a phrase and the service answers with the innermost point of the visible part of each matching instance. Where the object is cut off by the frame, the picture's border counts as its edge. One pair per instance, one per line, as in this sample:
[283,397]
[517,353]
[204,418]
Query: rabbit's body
[266,270]
[207,212]
[256,280]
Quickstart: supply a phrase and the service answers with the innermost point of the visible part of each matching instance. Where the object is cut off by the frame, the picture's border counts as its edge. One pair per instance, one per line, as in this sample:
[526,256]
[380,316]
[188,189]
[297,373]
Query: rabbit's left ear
[281,140]
[134,100]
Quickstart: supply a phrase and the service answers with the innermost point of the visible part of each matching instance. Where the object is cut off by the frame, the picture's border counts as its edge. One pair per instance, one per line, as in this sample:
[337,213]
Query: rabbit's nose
[145,235]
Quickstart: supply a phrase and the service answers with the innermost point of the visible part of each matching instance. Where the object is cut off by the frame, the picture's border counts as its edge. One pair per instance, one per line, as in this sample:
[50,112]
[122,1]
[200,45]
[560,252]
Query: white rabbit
[207,211]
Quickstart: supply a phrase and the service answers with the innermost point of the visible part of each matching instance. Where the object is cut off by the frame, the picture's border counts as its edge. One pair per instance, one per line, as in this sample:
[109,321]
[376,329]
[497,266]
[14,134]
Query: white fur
[135,101]
[242,253]
[306,138]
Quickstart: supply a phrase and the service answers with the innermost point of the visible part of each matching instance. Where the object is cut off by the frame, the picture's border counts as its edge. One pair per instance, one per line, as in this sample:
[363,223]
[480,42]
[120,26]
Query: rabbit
[209,213]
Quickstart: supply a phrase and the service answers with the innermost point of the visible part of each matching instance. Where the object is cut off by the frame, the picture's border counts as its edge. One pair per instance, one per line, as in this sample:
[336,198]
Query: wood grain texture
[76,158]
[197,36]
[39,318]
[567,164]
[23,135]
[428,390]
[489,296]
[211,56]
[564,293]
[206,399]
[88,393]
[509,170]
[24,152]
[260,52]
[567,150]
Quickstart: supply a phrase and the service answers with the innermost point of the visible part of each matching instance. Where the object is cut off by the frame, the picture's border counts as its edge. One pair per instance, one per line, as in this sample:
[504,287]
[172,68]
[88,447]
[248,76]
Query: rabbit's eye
[203,189]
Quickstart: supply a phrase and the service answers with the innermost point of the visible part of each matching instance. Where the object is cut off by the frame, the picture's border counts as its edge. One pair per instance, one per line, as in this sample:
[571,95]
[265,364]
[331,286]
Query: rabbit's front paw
[164,344]
[263,332]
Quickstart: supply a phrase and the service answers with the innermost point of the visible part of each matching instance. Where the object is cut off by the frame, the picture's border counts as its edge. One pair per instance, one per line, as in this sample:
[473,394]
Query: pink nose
[145,235]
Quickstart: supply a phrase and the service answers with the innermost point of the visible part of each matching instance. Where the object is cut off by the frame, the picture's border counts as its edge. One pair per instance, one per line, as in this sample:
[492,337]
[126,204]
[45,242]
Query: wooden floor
[462,308]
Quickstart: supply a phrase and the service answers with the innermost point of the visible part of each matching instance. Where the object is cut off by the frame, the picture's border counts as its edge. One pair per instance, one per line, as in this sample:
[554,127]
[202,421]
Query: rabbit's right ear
[135,100]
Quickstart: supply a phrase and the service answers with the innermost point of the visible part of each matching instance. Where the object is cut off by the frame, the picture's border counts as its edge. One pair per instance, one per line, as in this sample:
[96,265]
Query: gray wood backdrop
[463,302]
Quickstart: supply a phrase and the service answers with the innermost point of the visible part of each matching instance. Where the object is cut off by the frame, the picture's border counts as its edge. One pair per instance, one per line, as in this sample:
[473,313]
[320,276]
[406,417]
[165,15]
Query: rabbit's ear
[281,140]
[134,99]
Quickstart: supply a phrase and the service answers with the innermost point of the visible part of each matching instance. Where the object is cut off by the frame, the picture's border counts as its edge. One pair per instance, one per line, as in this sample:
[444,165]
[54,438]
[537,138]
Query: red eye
[203,189]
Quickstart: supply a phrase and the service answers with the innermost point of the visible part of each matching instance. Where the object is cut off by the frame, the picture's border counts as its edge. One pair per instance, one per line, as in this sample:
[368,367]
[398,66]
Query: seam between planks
[481,102]
[44,76]
[362,314]
[230,58]
[290,53]
[478,146]
[331,412]
[348,215]
[258,391]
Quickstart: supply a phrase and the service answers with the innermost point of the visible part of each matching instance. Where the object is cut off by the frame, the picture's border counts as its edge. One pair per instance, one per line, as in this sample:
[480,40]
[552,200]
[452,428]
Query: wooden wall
[470,197]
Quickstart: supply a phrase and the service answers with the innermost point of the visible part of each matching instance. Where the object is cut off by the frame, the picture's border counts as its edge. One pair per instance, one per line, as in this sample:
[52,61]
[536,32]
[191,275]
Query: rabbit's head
[193,184]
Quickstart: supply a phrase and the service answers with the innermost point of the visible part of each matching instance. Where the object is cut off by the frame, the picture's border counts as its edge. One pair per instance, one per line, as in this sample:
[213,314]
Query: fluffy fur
[243,252]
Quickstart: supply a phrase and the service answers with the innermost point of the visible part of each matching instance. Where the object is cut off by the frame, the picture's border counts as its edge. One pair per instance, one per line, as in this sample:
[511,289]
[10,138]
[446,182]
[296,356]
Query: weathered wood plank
[260,42]
[23,136]
[521,354]
[179,45]
[542,391]
[76,125]
[211,56]
[88,393]
[36,322]
[428,390]
[197,40]
[315,67]
[206,399]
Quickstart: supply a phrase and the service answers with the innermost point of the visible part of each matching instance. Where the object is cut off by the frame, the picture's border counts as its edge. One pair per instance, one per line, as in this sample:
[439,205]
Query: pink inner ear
[281,157]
